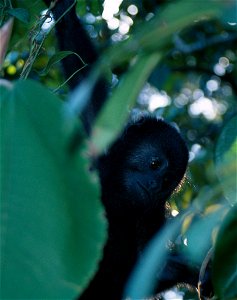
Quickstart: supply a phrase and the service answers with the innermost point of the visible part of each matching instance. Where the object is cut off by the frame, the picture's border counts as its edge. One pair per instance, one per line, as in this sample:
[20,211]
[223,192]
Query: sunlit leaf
[226,160]
[199,235]
[52,229]
[225,258]
[146,272]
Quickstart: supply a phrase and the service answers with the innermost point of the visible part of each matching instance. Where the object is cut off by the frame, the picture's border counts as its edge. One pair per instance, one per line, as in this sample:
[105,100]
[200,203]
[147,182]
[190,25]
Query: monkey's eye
[155,164]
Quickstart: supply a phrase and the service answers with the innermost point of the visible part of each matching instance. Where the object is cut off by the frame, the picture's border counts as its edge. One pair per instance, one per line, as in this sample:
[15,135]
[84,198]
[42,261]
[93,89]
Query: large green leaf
[52,229]
[200,232]
[115,112]
[226,160]
[225,258]
[144,277]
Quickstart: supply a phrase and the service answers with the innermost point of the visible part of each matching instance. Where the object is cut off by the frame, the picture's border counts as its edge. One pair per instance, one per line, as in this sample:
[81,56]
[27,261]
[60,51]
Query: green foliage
[52,229]
[226,154]
[143,279]
[115,113]
[20,13]
[225,258]
[55,59]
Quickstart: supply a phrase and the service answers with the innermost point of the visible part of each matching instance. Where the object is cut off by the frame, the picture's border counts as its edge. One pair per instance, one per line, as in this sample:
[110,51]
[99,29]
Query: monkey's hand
[62,7]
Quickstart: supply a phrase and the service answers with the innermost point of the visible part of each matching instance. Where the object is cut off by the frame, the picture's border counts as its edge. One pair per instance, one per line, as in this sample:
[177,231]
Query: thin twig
[66,81]
[185,48]
[38,39]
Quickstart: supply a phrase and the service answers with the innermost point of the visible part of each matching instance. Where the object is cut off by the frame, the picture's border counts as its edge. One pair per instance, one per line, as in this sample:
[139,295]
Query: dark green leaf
[225,258]
[52,229]
[20,13]
[226,160]
[146,273]
[199,235]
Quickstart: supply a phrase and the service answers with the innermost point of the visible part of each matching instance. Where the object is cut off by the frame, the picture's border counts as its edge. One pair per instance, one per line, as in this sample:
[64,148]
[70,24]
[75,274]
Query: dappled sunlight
[158,100]
[152,98]
[173,295]
[110,9]
[206,107]
[121,22]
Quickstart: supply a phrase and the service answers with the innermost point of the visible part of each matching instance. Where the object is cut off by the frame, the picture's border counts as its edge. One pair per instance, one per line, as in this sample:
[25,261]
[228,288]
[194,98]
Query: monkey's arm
[71,36]
[177,270]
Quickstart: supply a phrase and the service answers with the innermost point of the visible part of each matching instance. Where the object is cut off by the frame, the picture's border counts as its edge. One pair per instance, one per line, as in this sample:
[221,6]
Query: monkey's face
[146,175]
[143,166]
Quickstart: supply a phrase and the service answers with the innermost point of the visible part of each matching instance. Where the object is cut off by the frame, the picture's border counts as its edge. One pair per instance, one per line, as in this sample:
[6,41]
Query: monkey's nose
[154,185]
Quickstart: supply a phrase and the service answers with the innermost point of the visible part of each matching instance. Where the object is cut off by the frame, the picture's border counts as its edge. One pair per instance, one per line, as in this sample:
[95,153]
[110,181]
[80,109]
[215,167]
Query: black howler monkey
[138,172]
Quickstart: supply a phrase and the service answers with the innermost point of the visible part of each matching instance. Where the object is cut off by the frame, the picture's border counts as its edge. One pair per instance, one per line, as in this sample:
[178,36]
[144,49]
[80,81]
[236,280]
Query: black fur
[134,192]
[72,36]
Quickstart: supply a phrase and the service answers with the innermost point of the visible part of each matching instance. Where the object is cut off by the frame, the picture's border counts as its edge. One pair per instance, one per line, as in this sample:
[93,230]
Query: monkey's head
[143,166]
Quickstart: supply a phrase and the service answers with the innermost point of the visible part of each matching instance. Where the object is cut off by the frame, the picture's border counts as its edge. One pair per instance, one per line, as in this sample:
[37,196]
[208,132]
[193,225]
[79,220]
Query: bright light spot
[127,19]
[152,98]
[174,212]
[191,156]
[125,24]
[20,63]
[113,23]
[90,18]
[124,28]
[232,23]
[212,85]
[186,242]
[132,10]
[205,107]
[224,62]
[219,69]
[210,109]
[158,100]
[48,23]
[194,151]
[195,148]
[173,295]
[110,9]
[11,70]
